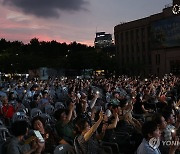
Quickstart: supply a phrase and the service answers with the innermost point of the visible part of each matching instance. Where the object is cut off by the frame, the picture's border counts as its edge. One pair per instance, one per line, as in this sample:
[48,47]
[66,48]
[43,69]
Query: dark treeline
[17,57]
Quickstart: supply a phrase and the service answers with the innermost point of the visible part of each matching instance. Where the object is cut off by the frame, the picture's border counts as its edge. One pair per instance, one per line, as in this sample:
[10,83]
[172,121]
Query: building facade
[103,40]
[149,45]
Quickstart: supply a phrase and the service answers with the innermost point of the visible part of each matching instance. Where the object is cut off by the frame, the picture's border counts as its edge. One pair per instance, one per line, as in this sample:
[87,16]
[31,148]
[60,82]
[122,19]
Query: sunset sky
[69,20]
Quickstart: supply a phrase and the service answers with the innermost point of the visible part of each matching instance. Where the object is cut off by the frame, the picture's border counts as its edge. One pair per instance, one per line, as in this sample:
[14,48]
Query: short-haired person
[64,125]
[88,144]
[168,132]
[162,124]
[51,138]
[160,120]
[16,146]
[151,130]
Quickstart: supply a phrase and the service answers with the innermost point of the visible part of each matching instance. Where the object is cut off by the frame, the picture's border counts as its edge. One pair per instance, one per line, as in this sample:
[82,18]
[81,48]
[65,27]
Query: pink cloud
[87,42]
[17,26]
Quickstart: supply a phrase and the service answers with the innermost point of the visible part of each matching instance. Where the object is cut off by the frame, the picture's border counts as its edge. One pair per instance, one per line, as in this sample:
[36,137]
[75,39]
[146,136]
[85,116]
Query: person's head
[162,98]
[168,115]
[107,87]
[159,119]
[115,94]
[36,97]
[84,105]
[4,100]
[11,96]
[109,106]
[45,94]
[19,128]
[150,129]
[38,123]
[123,103]
[60,114]
[71,92]
[105,118]
[19,101]
[34,88]
[171,103]
[83,95]
[116,109]
[83,125]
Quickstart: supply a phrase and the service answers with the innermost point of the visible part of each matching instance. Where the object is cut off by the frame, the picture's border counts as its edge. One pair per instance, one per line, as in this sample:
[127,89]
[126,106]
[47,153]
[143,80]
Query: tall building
[103,40]
[149,45]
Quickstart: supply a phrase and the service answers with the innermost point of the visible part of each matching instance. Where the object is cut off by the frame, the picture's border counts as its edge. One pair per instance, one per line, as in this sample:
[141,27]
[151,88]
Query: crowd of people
[90,116]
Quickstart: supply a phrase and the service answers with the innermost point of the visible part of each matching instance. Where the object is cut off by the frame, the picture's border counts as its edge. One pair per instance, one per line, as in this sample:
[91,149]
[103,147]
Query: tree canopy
[19,57]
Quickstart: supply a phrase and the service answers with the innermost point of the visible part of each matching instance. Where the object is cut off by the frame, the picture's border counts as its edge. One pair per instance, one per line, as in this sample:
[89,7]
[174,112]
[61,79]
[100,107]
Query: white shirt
[145,148]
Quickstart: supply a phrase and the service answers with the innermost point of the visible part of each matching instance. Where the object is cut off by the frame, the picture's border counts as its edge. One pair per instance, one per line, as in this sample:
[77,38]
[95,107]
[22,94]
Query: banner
[165,33]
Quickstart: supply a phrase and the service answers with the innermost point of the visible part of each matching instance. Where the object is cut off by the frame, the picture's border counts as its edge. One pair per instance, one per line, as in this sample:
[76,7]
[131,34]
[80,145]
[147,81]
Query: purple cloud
[46,8]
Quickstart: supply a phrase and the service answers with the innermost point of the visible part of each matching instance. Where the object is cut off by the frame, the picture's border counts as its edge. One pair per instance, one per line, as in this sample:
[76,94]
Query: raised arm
[69,116]
[93,101]
[94,127]
[114,124]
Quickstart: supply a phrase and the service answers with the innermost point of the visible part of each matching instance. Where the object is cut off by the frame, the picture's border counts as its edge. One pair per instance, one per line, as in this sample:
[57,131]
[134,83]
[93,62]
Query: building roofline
[168,6]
